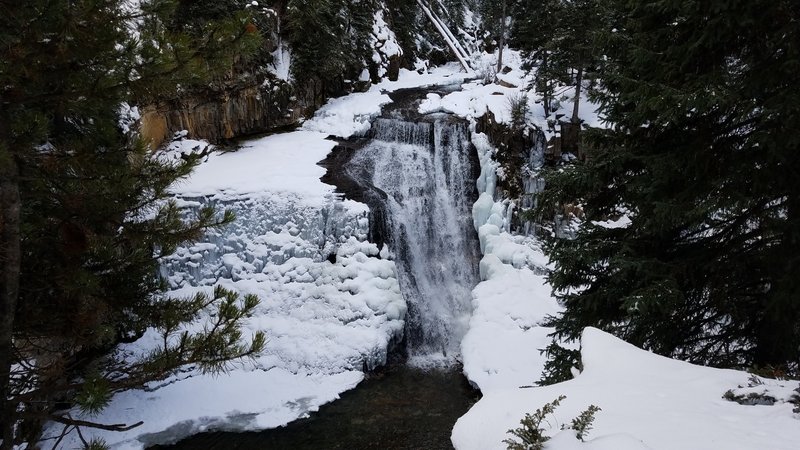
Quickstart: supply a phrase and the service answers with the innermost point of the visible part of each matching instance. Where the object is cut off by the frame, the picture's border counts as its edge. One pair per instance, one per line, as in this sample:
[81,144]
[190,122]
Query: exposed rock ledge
[221,116]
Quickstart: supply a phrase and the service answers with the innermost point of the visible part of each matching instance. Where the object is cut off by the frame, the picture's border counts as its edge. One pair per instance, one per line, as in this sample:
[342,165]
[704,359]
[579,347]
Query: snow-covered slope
[647,401]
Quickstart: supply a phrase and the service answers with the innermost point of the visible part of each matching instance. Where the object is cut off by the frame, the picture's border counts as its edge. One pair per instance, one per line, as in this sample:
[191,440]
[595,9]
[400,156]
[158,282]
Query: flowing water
[397,408]
[424,171]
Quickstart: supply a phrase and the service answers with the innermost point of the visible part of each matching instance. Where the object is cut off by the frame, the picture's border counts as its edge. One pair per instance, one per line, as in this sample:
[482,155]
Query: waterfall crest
[424,171]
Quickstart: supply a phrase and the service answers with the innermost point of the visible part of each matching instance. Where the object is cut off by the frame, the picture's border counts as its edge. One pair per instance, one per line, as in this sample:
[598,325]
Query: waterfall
[425,174]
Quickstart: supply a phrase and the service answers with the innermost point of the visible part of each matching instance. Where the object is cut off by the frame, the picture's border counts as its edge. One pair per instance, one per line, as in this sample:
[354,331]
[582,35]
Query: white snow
[280,163]
[325,321]
[384,43]
[476,99]
[647,401]
[241,400]
[512,299]
[331,306]
[282,62]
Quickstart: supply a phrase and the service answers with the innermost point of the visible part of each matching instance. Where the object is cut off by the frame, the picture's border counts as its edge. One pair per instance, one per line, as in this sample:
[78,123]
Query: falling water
[424,172]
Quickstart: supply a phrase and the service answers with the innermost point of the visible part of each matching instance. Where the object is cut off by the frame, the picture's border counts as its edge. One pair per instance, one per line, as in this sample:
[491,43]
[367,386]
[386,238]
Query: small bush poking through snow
[583,423]
[751,398]
[532,434]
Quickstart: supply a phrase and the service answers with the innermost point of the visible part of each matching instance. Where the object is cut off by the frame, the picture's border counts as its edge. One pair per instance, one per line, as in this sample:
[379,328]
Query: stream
[399,407]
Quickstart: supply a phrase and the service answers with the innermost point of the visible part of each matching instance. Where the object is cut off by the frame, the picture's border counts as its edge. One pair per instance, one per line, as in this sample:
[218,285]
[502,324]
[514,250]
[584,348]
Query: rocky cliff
[222,115]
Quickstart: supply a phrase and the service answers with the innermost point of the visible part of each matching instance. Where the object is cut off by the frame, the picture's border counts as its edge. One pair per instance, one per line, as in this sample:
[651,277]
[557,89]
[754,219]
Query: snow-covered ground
[647,401]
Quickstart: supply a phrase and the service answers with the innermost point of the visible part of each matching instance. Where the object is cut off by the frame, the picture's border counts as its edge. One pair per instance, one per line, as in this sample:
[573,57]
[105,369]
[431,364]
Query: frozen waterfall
[424,172]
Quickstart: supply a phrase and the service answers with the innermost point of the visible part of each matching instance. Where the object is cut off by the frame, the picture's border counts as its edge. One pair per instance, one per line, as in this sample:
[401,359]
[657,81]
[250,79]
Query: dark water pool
[398,408]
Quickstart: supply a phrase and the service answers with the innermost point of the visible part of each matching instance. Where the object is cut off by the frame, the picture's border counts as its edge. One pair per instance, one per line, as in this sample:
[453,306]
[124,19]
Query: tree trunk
[502,39]
[546,96]
[9,283]
[577,101]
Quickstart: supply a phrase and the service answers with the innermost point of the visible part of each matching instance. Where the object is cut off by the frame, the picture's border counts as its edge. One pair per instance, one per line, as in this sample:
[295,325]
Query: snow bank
[656,401]
[647,401]
[239,401]
[512,299]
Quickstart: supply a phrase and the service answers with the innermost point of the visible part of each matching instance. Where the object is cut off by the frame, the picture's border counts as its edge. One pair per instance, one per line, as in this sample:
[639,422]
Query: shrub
[518,107]
[531,434]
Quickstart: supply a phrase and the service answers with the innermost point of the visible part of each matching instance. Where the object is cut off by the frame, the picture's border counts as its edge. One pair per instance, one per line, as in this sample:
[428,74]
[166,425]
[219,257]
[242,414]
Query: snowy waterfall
[424,173]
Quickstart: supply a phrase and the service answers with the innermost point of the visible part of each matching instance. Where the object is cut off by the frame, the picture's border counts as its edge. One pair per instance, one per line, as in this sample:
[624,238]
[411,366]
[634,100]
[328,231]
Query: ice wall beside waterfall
[268,230]
[424,169]
[321,284]
[330,302]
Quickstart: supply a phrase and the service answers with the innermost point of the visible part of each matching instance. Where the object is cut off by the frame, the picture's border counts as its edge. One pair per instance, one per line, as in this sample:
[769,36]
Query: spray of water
[424,169]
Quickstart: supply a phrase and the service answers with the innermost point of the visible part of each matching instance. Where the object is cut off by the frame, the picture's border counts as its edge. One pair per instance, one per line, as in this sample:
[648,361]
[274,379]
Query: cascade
[425,175]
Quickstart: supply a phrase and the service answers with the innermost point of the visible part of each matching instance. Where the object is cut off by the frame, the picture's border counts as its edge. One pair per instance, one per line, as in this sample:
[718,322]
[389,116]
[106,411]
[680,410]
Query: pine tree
[558,38]
[532,32]
[701,155]
[85,210]
[337,48]
[403,17]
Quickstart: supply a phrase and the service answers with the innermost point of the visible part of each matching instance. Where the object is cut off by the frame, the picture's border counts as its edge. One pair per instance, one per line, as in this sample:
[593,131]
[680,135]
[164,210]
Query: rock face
[223,115]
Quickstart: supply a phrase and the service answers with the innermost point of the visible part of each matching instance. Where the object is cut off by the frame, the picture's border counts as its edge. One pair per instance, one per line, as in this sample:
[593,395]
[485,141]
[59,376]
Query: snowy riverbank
[647,401]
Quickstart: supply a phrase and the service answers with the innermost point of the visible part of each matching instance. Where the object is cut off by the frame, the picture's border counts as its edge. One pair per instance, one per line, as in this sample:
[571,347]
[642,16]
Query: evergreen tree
[336,49]
[558,39]
[84,210]
[532,32]
[403,17]
[701,154]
